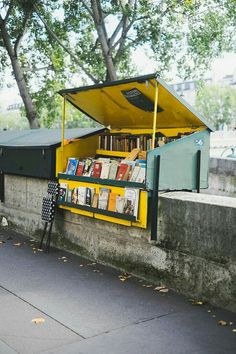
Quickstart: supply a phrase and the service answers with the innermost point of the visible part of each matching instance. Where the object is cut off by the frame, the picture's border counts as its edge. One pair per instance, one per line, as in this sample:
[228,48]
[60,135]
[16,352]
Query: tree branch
[87,8]
[10,7]
[127,24]
[73,56]
[115,33]
[22,33]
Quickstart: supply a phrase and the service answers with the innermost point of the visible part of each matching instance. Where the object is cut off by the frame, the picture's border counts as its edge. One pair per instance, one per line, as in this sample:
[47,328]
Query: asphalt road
[86,308]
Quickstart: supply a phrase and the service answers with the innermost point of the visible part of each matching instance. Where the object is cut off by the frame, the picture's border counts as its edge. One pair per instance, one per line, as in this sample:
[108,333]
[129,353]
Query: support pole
[155,197]
[155,116]
[198,171]
[63,123]
[63,131]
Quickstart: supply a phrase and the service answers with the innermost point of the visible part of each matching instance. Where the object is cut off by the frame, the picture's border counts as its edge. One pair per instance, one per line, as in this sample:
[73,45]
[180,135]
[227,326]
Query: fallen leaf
[164,290]
[122,279]
[40,249]
[81,265]
[222,323]
[32,240]
[96,271]
[140,281]
[149,286]
[17,244]
[214,316]
[209,311]
[91,264]
[34,252]
[234,330]
[64,260]
[231,323]
[38,320]
[2,241]
[197,302]
[158,288]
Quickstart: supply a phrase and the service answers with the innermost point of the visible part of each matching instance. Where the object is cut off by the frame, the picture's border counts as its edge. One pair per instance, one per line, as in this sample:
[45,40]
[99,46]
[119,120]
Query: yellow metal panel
[111,219]
[143,204]
[112,153]
[110,108]
[80,148]
[143,207]
[76,211]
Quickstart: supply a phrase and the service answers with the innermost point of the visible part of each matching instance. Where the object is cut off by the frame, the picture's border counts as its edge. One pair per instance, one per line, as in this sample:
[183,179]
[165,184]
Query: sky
[225,65]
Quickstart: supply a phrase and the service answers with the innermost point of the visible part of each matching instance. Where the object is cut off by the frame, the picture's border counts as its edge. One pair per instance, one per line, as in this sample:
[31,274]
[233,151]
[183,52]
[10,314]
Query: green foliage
[217,104]
[13,121]
[186,34]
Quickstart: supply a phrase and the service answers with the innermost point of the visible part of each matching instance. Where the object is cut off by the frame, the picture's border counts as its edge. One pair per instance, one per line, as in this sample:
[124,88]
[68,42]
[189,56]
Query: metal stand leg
[198,171]
[47,247]
[155,198]
[44,233]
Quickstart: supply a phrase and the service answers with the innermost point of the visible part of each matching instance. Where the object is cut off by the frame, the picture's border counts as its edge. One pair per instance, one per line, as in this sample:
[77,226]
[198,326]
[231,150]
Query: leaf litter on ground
[38,320]
[124,277]
[18,244]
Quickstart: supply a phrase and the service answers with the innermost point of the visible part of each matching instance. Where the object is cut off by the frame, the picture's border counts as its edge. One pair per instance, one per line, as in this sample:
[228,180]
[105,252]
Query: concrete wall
[195,253]
[222,177]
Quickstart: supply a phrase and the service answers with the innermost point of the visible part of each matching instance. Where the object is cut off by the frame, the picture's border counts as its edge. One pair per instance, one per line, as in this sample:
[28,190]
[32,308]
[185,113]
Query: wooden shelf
[99,211]
[108,182]
[112,153]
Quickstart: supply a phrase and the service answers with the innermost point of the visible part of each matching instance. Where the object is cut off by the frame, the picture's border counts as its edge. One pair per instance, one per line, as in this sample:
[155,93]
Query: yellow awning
[129,104]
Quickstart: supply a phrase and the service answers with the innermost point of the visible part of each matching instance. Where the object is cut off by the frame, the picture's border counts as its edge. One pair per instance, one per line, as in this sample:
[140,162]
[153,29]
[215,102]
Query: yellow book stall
[150,140]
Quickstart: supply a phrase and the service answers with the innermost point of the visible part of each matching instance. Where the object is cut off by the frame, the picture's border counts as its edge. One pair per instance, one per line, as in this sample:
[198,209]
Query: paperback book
[71,166]
[131,201]
[62,192]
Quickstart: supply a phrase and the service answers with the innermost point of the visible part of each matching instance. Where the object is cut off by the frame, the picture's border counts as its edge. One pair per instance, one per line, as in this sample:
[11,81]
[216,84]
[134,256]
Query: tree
[37,61]
[49,42]
[184,33]
[218,104]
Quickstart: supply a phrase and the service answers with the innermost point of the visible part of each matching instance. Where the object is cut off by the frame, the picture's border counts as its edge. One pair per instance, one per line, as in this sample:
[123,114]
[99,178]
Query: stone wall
[222,177]
[195,253]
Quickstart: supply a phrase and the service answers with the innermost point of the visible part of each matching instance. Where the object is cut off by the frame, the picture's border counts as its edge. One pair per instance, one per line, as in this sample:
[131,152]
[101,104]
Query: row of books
[125,142]
[105,199]
[106,168]
[128,142]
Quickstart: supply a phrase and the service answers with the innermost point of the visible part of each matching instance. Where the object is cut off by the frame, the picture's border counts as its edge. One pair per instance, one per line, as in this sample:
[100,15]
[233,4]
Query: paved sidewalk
[88,309]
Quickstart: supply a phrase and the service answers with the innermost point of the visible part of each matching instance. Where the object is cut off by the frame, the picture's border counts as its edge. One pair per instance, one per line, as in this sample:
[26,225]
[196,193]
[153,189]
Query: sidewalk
[87,309]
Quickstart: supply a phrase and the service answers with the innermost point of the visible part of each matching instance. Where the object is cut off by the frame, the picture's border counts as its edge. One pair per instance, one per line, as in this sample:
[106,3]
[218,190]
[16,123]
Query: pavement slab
[88,309]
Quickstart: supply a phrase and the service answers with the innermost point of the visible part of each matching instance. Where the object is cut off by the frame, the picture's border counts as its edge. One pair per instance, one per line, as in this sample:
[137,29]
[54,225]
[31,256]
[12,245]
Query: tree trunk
[19,76]
[100,27]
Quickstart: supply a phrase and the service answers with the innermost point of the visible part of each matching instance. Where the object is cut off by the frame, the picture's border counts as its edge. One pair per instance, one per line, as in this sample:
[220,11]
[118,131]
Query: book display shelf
[150,141]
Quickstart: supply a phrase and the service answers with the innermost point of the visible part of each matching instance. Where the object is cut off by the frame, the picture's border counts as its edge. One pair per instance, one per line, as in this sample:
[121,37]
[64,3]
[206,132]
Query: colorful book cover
[71,166]
[81,195]
[113,171]
[122,172]
[97,170]
[69,195]
[135,173]
[80,168]
[62,192]
[105,170]
[103,198]
[95,200]
[131,201]
[141,176]
[112,201]
[120,204]
[87,166]
[74,196]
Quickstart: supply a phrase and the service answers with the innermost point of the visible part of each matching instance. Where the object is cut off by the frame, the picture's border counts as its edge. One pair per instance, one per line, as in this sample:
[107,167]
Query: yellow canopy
[129,104]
